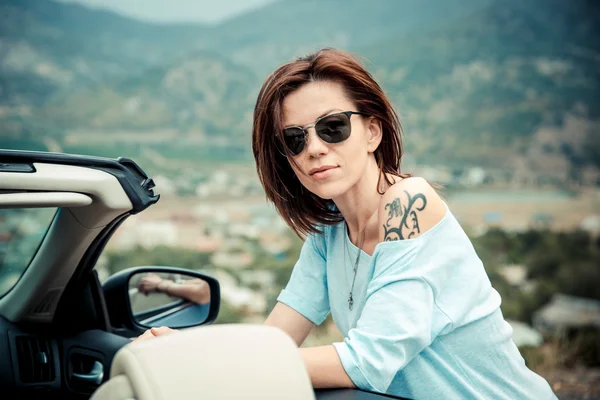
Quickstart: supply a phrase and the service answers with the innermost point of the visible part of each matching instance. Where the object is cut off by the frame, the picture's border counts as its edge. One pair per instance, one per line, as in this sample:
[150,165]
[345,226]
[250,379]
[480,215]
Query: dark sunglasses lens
[334,128]
[294,139]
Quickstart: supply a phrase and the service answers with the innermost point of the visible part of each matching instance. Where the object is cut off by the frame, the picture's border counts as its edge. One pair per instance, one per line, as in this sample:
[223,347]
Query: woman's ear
[375,134]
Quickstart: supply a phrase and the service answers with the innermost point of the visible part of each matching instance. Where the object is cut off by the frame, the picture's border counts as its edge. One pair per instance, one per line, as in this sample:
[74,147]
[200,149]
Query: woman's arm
[322,363]
[304,302]
[195,290]
[325,368]
[290,321]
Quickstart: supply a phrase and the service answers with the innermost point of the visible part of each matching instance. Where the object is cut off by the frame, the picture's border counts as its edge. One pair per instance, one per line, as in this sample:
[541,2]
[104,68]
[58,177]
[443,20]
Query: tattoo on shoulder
[403,221]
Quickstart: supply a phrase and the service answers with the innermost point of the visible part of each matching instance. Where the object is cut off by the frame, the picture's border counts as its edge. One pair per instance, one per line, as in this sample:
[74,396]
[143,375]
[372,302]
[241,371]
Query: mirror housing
[134,307]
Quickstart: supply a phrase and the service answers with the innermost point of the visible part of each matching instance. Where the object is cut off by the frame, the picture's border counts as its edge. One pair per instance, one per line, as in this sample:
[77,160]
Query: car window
[21,233]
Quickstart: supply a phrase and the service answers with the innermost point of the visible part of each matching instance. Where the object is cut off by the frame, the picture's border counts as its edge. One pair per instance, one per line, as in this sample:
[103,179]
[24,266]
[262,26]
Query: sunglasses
[332,128]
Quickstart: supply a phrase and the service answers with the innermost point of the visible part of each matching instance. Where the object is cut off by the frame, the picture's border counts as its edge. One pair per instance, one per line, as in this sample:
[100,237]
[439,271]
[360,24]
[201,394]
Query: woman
[383,252]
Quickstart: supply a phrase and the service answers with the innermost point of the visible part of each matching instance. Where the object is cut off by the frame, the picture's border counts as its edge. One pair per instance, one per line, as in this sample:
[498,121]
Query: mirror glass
[166,299]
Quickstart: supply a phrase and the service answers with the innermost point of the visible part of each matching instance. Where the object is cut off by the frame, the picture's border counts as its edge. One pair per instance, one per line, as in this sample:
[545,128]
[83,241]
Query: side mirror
[143,297]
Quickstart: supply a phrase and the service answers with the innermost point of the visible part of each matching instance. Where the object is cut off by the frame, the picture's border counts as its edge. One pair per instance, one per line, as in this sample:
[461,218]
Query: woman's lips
[323,173]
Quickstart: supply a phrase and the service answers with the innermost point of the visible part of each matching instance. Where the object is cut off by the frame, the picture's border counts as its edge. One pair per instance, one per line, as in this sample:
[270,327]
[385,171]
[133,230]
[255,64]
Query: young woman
[383,253]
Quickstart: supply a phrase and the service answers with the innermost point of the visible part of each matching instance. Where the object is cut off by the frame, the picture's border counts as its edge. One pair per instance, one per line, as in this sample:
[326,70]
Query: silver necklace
[350,296]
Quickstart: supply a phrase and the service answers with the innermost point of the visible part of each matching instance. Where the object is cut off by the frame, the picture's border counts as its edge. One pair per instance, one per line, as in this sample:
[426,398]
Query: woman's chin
[328,192]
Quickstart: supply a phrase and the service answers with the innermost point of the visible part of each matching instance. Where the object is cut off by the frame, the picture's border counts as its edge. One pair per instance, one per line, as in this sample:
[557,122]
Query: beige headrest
[233,361]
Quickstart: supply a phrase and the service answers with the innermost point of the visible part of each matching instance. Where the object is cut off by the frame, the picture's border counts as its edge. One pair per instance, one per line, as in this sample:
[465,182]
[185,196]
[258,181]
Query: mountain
[476,82]
[490,80]
[68,68]
[266,37]
[51,50]
[61,45]
[195,107]
[68,45]
[203,94]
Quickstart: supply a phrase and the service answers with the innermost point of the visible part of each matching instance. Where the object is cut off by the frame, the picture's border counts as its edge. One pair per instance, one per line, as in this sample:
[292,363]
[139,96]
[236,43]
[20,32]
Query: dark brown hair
[302,210]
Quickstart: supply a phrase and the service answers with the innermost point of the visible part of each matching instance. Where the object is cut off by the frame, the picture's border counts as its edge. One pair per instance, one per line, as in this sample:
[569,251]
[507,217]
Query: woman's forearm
[196,291]
[325,368]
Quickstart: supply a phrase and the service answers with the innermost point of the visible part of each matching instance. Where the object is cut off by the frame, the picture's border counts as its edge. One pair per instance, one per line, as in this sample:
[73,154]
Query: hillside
[476,82]
[59,46]
[204,91]
[480,88]
[264,38]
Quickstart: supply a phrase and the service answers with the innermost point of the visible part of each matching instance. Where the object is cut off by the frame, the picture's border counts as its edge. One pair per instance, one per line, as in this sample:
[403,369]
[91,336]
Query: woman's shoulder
[408,209]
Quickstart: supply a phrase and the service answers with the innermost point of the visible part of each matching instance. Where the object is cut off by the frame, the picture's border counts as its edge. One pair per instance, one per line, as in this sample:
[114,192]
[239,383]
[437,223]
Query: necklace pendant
[350,302]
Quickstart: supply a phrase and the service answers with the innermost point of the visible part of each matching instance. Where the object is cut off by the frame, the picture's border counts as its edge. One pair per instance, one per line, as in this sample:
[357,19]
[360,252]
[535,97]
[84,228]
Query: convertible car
[66,335]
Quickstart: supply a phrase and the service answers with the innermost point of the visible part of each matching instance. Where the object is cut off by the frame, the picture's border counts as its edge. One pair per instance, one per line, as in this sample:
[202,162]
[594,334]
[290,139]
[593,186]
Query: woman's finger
[163,330]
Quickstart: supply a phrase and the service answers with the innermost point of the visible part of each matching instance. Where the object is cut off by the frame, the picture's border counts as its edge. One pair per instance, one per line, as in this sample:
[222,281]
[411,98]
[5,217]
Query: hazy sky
[208,11]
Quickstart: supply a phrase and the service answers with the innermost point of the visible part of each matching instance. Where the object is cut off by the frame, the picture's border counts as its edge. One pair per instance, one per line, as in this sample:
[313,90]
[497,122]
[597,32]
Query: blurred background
[499,101]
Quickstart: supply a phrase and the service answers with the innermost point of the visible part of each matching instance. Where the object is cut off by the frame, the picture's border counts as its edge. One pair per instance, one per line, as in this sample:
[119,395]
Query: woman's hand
[154,332]
[149,283]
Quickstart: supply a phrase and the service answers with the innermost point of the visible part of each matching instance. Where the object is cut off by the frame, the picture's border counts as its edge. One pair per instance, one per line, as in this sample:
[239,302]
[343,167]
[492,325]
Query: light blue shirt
[426,322]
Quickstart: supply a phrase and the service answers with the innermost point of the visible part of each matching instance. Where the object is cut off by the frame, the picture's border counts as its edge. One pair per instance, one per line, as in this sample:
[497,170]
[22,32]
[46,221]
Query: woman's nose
[315,147]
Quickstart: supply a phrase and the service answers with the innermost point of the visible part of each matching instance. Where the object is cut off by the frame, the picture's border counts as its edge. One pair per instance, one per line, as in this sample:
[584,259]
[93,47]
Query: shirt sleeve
[399,319]
[306,291]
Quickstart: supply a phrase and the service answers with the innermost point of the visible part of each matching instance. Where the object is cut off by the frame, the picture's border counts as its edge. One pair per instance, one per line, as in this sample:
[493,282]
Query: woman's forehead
[312,100]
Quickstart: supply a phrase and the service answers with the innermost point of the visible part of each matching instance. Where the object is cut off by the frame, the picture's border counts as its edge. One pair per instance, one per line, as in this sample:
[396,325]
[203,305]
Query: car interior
[66,335]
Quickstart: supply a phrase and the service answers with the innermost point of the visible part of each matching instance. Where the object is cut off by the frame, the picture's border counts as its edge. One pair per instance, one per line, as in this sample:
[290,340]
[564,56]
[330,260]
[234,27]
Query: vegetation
[556,262]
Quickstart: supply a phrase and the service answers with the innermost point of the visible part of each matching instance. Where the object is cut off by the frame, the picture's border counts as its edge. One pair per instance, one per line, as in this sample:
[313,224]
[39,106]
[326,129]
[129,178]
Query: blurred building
[146,234]
[274,243]
[263,278]
[475,176]
[239,297]
[164,185]
[567,313]
[493,218]
[236,260]
[591,224]
[515,275]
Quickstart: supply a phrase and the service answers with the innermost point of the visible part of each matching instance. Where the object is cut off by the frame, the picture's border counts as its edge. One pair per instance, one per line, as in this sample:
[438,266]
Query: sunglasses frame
[348,114]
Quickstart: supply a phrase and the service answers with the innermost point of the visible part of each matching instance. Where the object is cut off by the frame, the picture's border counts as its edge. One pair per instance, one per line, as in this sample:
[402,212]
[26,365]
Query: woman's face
[329,169]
